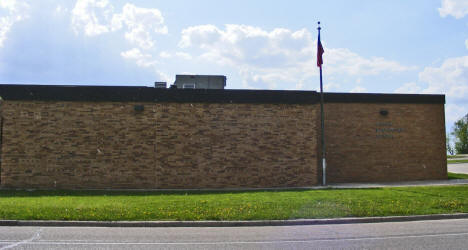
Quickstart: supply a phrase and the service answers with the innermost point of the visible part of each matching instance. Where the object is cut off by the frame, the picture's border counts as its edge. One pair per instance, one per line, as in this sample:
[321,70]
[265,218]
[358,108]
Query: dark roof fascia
[150,94]
[382,98]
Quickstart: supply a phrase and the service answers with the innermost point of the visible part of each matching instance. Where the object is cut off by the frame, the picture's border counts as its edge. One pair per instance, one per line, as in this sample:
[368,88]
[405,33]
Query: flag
[320,52]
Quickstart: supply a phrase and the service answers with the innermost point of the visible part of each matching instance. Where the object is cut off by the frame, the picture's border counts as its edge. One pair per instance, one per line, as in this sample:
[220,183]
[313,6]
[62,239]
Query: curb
[257,223]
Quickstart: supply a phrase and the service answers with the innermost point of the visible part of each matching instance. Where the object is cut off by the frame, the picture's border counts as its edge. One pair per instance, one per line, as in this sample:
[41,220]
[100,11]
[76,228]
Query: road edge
[257,223]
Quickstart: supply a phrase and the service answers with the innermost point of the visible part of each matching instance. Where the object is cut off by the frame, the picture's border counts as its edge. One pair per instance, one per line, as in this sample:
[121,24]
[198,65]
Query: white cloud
[454,112]
[450,78]
[16,6]
[164,77]
[61,10]
[249,45]
[183,55]
[141,23]
[358,89]
[266,58]
[345,61]
[455,8]
[11,12]
[330,86]
[179,54]
[262,58]
[95,17]
[409,88]
[92,16]
[145,60]
[139,26]
[141,59]
[165,54]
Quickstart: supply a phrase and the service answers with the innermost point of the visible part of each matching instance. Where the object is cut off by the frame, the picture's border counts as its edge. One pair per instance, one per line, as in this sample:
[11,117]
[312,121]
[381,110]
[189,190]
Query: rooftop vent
[160,85]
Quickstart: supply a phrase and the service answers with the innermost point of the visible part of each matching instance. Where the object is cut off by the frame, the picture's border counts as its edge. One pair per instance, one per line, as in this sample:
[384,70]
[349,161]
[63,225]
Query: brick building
[141,137]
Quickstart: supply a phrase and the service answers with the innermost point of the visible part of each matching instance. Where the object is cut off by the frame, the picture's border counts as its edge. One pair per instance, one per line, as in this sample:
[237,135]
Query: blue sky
[418,46]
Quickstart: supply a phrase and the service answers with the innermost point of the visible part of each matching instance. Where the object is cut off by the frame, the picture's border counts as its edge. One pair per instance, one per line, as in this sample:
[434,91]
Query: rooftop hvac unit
[160,85]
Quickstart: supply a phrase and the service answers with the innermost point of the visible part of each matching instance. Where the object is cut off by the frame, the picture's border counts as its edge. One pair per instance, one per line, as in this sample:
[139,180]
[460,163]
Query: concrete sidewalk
[452,182]
[401,184]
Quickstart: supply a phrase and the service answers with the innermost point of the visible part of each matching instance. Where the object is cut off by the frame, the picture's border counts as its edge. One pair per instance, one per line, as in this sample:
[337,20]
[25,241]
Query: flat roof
[16,92]
[201,75]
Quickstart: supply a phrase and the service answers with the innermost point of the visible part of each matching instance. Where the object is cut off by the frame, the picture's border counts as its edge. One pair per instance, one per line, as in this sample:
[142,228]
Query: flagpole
[324,165]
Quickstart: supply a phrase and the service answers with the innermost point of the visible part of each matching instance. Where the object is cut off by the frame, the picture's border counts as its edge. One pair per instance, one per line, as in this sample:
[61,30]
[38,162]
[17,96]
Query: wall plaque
[386,130]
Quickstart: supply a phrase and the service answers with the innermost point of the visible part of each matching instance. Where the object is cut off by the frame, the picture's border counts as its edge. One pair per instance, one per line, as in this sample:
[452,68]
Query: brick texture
[167,145]
[364,146]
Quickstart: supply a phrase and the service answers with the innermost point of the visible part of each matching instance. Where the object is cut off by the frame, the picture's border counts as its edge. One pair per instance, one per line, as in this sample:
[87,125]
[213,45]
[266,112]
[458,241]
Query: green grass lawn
[452,156]
[457,161]
[223,205]
[457,176]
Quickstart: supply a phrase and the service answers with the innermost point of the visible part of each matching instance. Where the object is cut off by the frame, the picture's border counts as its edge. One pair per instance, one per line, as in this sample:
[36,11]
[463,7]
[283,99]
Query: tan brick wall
[364,146]
[168,145]
[174,145]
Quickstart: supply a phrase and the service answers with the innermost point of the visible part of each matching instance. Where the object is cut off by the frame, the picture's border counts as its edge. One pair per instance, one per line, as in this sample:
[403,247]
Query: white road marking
[36,236]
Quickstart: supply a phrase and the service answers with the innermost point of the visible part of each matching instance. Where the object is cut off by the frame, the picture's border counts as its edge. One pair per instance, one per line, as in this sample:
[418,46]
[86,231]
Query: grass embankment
[242,205]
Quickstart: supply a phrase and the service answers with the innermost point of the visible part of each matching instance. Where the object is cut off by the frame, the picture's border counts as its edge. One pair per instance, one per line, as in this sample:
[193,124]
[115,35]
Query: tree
[460,132]
[448,144]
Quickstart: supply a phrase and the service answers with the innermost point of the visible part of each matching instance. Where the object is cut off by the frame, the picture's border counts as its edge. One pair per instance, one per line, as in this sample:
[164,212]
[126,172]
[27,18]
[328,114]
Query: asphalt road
[461,168]
[442,234]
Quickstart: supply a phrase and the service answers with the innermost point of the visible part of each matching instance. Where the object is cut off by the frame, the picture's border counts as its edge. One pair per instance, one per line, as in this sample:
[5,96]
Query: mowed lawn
[457,176]
[223,205]
[457,161]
